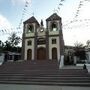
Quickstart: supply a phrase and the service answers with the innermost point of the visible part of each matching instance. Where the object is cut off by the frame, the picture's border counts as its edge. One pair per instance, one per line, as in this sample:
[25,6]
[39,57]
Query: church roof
[32,20]
[53,17]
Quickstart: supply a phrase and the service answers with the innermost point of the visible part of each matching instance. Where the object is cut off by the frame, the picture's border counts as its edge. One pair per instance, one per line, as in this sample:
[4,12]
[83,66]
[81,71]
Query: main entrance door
[41,53]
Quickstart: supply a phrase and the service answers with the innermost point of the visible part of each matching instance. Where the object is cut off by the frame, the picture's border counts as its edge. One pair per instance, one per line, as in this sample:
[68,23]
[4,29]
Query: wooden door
[41,53]
[54,53]
[29,54]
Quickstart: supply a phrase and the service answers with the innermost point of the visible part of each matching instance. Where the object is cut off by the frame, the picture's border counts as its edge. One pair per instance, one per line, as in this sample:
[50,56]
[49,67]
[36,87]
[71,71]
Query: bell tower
[29,38]
[55,36]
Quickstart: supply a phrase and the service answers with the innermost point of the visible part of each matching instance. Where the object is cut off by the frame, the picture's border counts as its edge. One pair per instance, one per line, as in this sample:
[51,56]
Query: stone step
[43,72]
[47,83]
[44,78]
[40,75]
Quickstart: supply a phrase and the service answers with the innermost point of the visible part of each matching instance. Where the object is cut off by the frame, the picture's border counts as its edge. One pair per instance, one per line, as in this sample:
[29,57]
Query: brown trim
[61,40]
[22,57]
[29,37]
[35,45]
[47,41]
[53,35]
[47,45]
[23,44]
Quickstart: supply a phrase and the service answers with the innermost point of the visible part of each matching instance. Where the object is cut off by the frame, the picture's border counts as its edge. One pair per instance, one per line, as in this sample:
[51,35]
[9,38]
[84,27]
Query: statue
[41,22]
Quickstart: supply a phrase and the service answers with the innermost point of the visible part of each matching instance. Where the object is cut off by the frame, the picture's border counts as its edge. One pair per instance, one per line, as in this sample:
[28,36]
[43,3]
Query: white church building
[41,43]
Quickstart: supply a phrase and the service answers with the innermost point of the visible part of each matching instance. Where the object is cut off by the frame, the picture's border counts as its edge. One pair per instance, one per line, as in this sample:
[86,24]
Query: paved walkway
[72,67]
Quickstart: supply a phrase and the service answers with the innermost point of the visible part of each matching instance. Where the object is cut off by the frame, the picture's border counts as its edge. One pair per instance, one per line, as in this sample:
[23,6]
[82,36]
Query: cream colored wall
[41,46]
[30,34]
[29,47]
[53,32]
[41,33]
[57,45]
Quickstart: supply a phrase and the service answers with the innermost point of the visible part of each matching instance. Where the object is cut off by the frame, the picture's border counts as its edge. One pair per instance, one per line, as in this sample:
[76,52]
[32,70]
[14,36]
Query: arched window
[30,28]
[54,27]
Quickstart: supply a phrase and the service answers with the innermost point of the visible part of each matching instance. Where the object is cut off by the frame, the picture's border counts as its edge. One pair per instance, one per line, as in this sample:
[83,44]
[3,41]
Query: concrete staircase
[42,73]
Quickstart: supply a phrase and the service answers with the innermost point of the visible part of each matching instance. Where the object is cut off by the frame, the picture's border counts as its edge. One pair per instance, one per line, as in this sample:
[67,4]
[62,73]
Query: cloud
[20,2]
[4,23]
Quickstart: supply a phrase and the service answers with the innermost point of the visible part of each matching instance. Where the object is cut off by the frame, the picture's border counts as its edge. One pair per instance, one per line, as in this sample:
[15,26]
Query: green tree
[80,51]
[1,46]
[88,43]
[14,40]
[12,43]
[7,46]
[78,45]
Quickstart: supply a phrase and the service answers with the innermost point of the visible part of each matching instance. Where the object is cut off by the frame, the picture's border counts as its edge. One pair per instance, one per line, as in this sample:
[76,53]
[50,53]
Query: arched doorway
[41,53]
[54,53]
[29,54]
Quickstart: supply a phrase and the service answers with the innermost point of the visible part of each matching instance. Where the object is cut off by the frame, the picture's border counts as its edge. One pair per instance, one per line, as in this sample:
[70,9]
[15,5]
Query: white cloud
[4,23]
[14,2]
[19,2]
[5,28]
[80,29]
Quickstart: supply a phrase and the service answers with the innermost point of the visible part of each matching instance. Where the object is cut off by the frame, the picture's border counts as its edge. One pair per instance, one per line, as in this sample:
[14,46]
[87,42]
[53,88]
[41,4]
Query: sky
[75,16]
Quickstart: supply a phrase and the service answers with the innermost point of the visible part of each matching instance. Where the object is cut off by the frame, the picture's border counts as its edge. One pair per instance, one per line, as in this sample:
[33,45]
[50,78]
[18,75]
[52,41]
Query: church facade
[41,43]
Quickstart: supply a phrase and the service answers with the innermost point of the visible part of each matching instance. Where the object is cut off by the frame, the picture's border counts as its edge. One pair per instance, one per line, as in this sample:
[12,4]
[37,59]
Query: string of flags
[78,9]
[61,2]
[23,14]
[70,25]
[17,29]
[81,3]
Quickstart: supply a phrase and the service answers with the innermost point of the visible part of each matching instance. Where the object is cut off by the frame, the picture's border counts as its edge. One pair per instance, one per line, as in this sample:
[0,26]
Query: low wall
[88,66]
